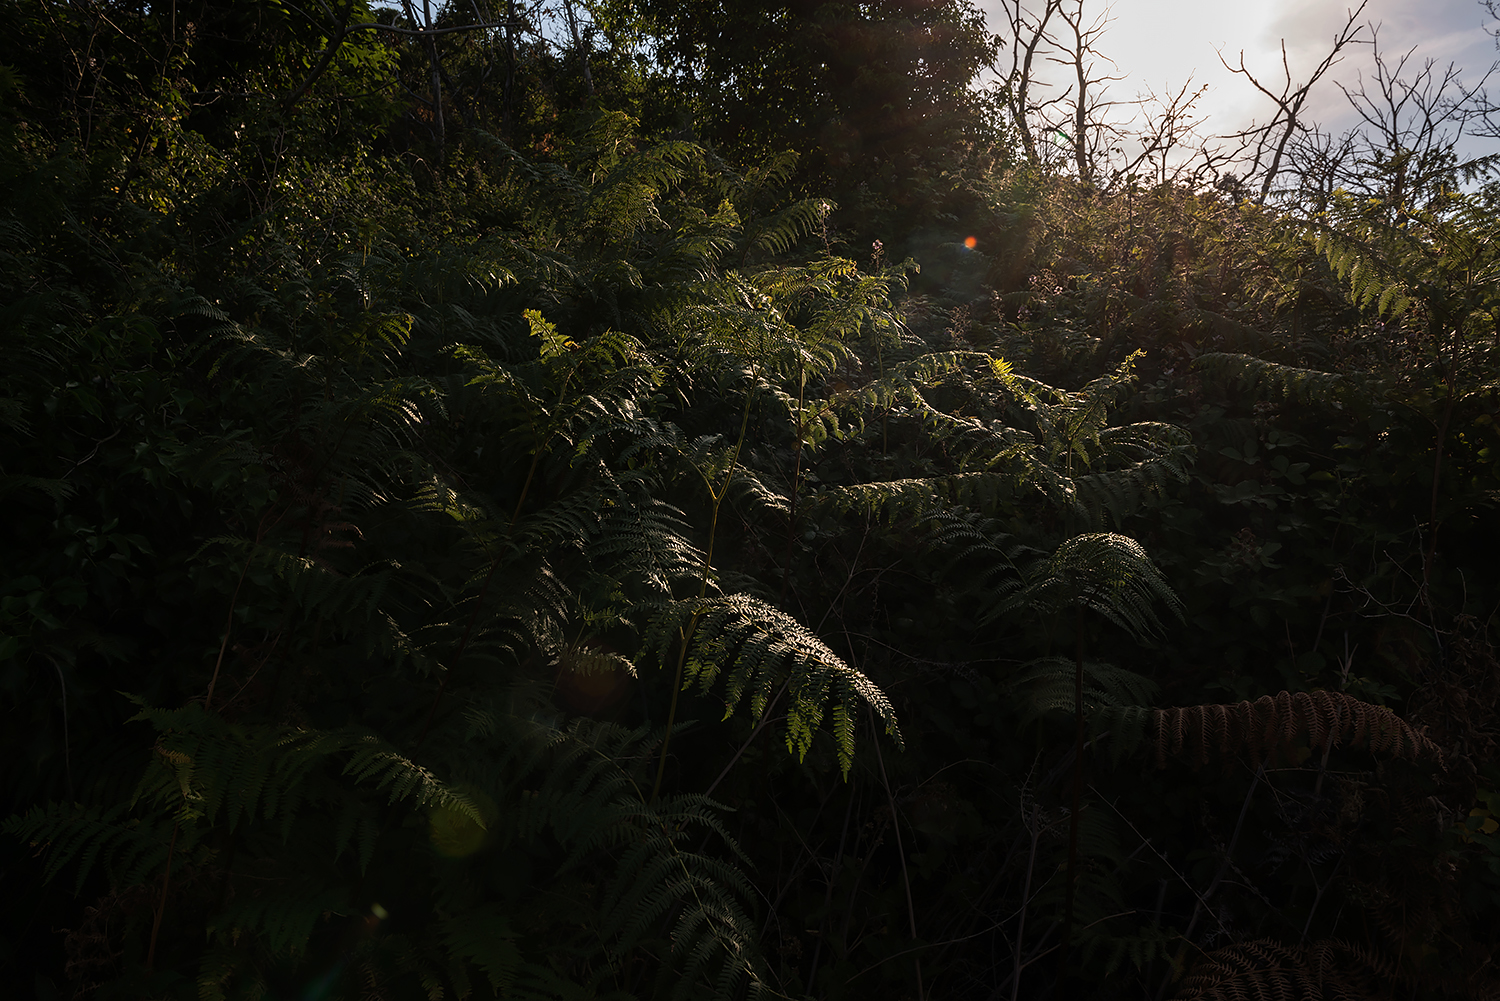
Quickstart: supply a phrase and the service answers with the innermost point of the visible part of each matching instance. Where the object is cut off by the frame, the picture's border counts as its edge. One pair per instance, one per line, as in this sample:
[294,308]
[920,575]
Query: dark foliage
[475,528]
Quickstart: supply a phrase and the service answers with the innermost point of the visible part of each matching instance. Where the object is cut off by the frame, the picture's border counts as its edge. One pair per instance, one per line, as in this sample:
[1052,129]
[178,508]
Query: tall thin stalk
[911,910]
[1072,876]
[685,634]
[791,517]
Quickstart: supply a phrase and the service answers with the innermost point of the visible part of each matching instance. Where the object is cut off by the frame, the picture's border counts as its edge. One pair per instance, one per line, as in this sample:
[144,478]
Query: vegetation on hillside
[667,500]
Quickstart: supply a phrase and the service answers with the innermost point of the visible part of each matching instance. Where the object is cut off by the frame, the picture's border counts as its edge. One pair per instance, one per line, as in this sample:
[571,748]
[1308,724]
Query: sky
[1158,44]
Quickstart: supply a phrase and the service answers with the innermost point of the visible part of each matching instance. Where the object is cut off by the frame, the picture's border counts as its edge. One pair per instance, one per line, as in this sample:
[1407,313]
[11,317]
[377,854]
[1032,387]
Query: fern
[1047,686]
[1275,380]
[1108,574]
[1064,449]
[711,936]
[128,849]
[757,648]
[1268,727]
[1267,970]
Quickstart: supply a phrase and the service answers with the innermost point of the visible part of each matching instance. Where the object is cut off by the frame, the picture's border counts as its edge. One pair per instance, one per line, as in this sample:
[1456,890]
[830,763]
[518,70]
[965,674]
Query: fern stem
[666,737]
[1071,882]
[759,726]
[515,516]
[911,911]
[161,907]
[1318,897]
[260,533]
[208,700]
[1198,909]
[833,875]
[1437,473]
[67,752]
[1036,835]
[536,458]
[686,635]
[791,516]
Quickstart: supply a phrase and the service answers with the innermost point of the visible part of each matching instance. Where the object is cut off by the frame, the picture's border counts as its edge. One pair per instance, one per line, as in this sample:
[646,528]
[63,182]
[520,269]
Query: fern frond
[281,914]
[645,540]
[129,849]
[1274,380]
[712,938]
[756,648]
[1107,573]
[1048,685]
[1268,727]
[1267,970]
[483,936]
[243,771]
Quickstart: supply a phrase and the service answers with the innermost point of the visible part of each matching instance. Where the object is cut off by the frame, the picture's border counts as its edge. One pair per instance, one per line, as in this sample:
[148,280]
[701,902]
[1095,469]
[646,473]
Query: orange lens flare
[970,242]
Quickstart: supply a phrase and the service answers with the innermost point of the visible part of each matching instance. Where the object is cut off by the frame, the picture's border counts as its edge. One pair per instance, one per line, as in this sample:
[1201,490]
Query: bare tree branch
[1284,124]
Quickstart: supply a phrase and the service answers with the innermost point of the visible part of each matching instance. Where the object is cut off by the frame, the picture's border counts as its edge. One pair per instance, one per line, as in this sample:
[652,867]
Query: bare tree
[579,45]
[1078,51]
[1028,35]
[1403,153]
[1411,126]
[1059,32]
[1270,140]
[1173,150]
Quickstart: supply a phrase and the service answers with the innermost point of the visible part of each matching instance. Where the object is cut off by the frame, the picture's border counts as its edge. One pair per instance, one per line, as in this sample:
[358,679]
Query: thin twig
[161,907]
[1036,834]
[67,754]
[765,718]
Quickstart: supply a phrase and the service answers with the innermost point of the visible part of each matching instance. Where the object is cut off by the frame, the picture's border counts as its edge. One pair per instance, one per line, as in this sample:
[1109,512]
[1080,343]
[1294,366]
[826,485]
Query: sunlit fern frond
[903,379]
[1375,277]
[622,198]
[645,540]
[1070,430]
[757,648]
[782,229]
[1276,381]
[1106,573]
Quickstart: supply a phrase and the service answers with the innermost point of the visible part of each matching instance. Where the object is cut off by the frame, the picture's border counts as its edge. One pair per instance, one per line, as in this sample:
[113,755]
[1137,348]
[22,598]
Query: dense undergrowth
[558,554]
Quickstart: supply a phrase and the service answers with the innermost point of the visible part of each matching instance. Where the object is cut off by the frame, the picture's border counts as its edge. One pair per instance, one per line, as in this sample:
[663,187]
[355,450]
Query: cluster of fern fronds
[569,571]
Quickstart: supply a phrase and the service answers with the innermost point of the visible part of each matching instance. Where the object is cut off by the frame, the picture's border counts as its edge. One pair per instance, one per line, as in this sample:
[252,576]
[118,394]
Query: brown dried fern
[1267,970]
[1269,726]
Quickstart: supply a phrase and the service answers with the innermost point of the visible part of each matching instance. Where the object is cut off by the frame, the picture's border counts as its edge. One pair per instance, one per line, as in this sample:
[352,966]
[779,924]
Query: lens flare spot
[592,679]
[454,830]
[970,242]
